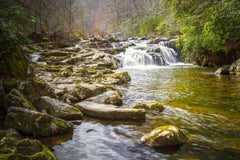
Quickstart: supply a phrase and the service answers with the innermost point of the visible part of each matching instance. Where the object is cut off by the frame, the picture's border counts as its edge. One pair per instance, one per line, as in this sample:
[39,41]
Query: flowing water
[206,107]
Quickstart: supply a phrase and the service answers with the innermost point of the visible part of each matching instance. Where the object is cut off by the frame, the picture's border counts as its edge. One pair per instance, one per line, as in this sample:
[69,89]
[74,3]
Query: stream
[204,106]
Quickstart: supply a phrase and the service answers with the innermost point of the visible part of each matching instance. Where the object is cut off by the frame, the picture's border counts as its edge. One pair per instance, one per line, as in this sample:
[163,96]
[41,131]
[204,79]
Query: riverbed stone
[36,123]
[110,112]
[16,98]
[118,78]
[24,149]
[151,105]
[109,97]
[57,108]
[164,136]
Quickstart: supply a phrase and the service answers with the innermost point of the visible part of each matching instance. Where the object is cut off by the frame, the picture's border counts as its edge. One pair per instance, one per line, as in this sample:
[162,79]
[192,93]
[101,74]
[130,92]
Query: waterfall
[143,53]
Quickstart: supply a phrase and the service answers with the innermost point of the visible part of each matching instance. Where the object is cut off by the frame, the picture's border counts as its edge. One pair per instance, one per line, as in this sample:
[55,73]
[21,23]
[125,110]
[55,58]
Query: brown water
[206,108]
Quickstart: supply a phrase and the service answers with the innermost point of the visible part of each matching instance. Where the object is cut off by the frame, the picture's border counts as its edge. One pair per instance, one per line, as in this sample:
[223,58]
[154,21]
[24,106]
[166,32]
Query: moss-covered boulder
[25,149]
[15,98]
[164,136]
[151,105]
[109,97]
[110,112]
[117,78]
[36,123]
[57,108]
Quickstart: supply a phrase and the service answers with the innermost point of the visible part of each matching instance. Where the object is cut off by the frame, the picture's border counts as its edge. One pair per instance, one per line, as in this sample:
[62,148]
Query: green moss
[14,65]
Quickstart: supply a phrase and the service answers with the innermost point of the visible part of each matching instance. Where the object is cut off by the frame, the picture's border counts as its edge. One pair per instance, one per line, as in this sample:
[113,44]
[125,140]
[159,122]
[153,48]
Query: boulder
[151,105]
[235,68]
[117,78]
[36,123]
[109,97]
[57,108]
[110,112]
[10,133]
[85,90]
[164,136]
[223,71]
[15,98]
[27,149]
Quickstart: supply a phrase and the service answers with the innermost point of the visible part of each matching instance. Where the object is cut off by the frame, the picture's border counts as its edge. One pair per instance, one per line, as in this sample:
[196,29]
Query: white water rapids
[142,53]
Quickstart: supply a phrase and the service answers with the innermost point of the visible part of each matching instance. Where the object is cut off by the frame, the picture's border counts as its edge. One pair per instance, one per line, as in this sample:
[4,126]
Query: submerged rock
[109,97]
[27,149]
[57,108]
[15,98]
[110,112]
[36,123]
[164,136]
[151,105]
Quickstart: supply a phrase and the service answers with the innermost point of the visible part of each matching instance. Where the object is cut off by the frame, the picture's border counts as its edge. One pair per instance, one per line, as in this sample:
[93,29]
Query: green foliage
[11,26]
[207,26]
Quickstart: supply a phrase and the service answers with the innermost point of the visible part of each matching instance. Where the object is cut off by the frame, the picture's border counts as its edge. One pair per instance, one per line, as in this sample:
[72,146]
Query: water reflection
[206,107]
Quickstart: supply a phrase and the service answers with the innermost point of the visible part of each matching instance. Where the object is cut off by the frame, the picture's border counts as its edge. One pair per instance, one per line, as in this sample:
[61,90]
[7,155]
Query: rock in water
[151,105]
[36,123]
[109,97]
[222,71]
[57,108]
[164,136]
[110,112]
[117,78]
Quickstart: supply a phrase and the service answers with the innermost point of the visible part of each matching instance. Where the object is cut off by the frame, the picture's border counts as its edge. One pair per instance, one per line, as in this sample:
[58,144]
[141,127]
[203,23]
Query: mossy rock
[117,78]
[57,108]
[151,105]
[10,133]
[25,149]
[109,97]
[36,123]
[164,136]
[15,98]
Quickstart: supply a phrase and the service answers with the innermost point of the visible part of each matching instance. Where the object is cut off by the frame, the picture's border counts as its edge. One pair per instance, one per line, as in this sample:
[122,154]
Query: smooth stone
[117,78]
[110,112]
[222,71]
[164,136]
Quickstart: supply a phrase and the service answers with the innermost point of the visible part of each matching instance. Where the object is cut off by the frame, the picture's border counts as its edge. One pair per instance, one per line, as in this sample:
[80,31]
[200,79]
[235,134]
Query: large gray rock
[15,98]
[110,112]
[36,123]
[57,108]
[164,136]
[109,97]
